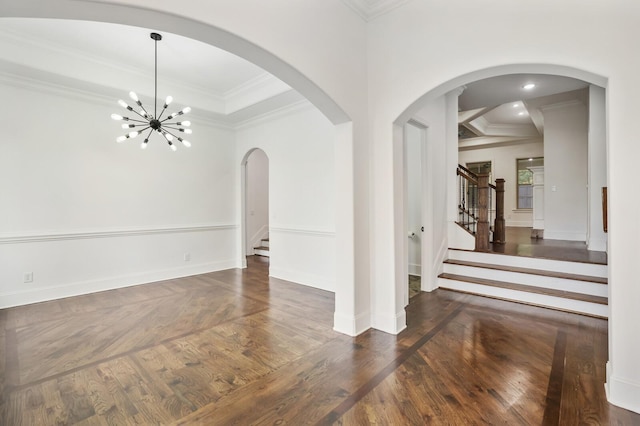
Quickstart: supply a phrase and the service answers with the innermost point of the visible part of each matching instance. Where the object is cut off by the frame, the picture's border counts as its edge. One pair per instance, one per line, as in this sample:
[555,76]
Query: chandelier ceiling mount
[155,122]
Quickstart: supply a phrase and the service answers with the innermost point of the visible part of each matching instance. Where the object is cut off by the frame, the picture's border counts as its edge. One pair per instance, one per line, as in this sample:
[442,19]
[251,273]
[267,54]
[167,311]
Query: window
[525,181]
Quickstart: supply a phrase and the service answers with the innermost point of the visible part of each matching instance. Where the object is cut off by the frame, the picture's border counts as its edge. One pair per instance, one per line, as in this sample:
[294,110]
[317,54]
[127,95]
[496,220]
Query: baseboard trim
[352,325]
[415,269]
[622,393]
[564,235]
[392,324]
[45,294]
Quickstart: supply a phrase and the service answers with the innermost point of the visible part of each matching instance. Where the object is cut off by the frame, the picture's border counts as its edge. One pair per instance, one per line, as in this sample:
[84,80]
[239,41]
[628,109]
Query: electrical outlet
[28,277]
[187,257]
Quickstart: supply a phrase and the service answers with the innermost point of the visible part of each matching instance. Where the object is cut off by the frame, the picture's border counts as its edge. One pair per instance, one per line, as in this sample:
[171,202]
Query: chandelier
[153,122]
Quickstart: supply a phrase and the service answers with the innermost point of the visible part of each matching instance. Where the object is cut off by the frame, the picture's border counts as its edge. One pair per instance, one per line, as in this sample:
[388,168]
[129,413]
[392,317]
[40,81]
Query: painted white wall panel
[565,171]
[300,148]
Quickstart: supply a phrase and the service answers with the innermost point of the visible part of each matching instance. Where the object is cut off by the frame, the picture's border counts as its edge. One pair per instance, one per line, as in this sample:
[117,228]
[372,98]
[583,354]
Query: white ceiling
[499,109]
[122,58]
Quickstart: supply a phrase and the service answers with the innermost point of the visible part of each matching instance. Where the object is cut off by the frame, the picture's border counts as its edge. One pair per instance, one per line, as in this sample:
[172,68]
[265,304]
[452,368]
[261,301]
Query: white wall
[257,199]
[565,171]
[84,213]
[434,191]
[503,163]
[413,167]
[597,167]
[421,47]
[299,144]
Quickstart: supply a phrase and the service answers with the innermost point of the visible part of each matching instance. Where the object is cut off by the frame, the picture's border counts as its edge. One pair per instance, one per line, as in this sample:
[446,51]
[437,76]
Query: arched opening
[215,36]
[255,204]
[438,109]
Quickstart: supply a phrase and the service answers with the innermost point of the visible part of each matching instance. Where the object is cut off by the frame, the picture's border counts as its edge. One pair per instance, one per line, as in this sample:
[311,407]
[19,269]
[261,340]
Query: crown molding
[253,92]
[561,105]
[29,42]
[483,142]
[302,105]
[371,9]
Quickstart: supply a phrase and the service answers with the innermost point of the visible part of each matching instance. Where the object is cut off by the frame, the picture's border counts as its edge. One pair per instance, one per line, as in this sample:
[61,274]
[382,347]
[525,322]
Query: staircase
[263,248]
[558,284]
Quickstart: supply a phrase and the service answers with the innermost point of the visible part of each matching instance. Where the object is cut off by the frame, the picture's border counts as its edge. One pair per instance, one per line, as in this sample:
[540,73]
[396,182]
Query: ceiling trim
[371,9]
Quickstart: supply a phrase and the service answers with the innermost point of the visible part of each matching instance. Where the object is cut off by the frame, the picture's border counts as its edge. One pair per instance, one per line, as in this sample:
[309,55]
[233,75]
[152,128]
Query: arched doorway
[211,34]
[438,110]
[255,203]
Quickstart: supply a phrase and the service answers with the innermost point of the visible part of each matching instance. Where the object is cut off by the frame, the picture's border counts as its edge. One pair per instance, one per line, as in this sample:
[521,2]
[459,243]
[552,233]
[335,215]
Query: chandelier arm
[166,131]
[138,121]
[139,113]
[144,109]
[172,128]
[161,113]
[168,118]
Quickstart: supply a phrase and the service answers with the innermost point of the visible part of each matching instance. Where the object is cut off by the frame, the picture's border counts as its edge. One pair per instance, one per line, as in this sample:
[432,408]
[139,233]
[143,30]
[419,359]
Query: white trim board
[111,233]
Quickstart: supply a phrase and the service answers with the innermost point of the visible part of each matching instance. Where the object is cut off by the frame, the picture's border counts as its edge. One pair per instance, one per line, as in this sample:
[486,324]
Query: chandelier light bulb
[173,147]
[186,143]
[150,120]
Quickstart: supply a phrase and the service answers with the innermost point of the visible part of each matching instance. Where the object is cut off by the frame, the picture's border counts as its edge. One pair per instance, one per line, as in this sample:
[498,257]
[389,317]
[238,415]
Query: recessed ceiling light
[530,159]
[521,113]
[529,86]
[515,105]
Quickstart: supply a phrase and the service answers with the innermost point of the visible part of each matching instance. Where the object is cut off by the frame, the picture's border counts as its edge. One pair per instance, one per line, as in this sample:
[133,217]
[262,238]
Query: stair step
[520,287]
[264,242]
[539,296]
[261,251]
[530,271]
[551,265]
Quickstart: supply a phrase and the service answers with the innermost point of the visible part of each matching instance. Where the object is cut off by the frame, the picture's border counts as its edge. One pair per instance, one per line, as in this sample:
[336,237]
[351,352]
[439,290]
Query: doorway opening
[255,197]
[414,160]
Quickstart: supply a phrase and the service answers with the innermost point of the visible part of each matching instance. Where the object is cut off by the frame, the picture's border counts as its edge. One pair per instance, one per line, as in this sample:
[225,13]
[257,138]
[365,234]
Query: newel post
[482,232]
[499,226]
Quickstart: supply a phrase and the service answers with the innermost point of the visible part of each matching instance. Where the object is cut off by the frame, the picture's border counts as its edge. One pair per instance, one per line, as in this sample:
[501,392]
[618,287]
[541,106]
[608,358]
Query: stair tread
[261,248]
[529,289]
[496,253]
[577,277]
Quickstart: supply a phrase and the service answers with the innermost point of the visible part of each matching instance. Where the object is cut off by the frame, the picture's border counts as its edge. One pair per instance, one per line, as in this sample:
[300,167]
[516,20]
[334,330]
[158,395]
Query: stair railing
[480,204]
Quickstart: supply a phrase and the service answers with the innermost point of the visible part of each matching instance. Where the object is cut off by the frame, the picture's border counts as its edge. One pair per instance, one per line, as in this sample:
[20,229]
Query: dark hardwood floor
[236,347]
[520,243]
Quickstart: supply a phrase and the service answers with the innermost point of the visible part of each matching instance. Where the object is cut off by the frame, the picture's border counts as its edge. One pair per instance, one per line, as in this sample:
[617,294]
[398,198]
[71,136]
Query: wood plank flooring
[520,243]
[236,347]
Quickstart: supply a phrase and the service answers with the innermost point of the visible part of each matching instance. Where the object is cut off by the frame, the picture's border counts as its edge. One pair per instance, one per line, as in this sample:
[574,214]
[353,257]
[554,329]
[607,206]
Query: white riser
[575,286]
[261,252]
[264,243]
[579,268]
[532,298]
